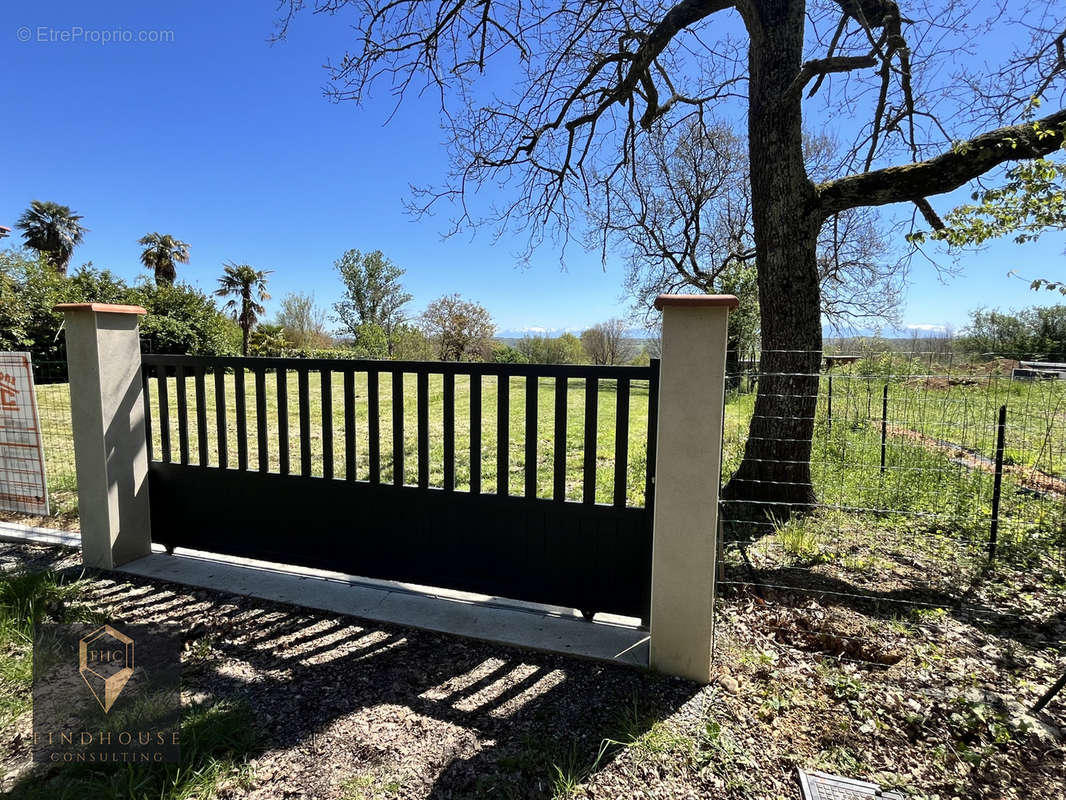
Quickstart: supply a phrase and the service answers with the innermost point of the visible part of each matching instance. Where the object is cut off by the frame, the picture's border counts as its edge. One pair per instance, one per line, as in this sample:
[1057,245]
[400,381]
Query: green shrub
[504,354]
[268,341]
[181,319]
[1038,331]
[370,339]
[341,354]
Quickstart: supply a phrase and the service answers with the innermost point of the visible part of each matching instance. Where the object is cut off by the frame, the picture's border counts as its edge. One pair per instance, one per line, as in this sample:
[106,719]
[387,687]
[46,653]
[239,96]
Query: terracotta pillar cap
[696,301]
[105,308]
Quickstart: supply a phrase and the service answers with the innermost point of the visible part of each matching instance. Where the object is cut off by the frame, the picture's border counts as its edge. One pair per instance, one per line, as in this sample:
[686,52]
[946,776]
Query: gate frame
[111,453]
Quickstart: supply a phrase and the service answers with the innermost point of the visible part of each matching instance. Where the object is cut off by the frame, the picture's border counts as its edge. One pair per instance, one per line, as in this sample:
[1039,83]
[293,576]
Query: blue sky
[226,141]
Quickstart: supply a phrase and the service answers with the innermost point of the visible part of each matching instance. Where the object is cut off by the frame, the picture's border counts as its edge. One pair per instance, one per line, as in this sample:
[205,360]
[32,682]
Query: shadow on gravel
[447,717]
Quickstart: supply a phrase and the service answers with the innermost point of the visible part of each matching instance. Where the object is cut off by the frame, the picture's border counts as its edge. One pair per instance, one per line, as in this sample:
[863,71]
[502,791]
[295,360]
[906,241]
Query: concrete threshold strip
[530,625]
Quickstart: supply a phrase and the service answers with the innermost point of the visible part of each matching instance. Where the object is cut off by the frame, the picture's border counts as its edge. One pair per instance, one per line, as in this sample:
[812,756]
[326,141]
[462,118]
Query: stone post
[110,450]
[687,473]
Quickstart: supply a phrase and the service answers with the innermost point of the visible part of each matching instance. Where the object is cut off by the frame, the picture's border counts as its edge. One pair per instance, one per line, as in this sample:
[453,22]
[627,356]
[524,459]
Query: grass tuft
[28,597]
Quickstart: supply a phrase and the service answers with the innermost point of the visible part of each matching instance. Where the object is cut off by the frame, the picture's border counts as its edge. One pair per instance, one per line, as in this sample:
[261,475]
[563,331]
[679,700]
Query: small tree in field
[564,349]
[606,343]
[304,322]
[409,343]
[460,328]
[373,293]
[268,341]
[246,288]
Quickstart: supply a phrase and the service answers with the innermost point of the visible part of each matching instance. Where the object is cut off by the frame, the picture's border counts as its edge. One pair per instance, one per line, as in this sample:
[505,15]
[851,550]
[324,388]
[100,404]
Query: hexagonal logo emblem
[131,711]
[105,661]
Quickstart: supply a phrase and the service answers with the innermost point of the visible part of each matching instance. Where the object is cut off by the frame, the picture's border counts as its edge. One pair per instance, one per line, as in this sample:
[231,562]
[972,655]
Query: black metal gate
[341,503]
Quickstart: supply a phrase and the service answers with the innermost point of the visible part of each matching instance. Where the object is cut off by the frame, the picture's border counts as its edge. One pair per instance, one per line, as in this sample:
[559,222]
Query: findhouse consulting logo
[106,693]
[105,661]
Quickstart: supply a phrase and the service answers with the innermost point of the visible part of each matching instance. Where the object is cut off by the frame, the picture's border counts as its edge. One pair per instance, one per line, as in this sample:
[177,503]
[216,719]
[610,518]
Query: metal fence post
[884,427]
[997,485]
[829,405]
[110,445]
[688,471]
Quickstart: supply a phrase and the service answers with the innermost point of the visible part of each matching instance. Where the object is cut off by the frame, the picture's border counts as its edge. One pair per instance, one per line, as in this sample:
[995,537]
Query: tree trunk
[774,479]
[732,359]
[246,323]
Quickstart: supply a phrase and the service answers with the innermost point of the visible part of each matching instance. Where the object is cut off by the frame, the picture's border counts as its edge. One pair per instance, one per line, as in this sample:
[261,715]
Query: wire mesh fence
[937,487]
[53,406]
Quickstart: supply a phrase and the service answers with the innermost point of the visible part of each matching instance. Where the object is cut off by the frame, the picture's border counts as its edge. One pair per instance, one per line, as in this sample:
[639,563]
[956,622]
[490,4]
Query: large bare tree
[687,225]
[572,89]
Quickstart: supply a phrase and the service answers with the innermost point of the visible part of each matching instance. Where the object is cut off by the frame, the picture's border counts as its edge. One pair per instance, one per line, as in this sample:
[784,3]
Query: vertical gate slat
[475,434]
[201,416]
[449,431]
[422,409]
[621,441]
[220,417]
[305,421]
[503,432]
[261,446]
[397,428]
[327,423]
[164,413]
[147,413]
[183,417]
[530,465]
[653,433]
[592,394]
[349,424]
[559,465]
[242,418]
[282,377]
[373,399]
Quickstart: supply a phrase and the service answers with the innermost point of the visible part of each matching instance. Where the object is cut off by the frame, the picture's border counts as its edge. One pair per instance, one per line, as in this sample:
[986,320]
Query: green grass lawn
[26,598]
[959,405]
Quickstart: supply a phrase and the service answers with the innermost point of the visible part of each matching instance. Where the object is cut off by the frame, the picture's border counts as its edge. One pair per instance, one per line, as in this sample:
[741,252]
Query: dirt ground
[351,709]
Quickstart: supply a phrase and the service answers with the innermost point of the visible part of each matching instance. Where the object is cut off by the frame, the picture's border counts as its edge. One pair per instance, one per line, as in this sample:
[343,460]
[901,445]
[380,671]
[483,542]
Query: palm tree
[52,230]
[249,285]
[161,252]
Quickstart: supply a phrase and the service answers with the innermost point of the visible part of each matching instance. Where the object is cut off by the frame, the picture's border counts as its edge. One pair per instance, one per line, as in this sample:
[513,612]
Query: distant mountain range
[512,335]
[521,333]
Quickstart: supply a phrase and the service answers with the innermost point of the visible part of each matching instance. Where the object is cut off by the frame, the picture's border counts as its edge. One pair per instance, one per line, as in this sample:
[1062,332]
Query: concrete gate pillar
[687,474]
[110,449]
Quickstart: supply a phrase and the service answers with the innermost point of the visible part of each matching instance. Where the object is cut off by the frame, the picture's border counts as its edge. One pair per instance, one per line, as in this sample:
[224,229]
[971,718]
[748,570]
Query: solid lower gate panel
[592,557]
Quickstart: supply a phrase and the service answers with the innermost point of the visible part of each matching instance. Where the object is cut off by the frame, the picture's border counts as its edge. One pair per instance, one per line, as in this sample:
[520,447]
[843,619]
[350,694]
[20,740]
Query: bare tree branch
[825,66]
[950,170]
